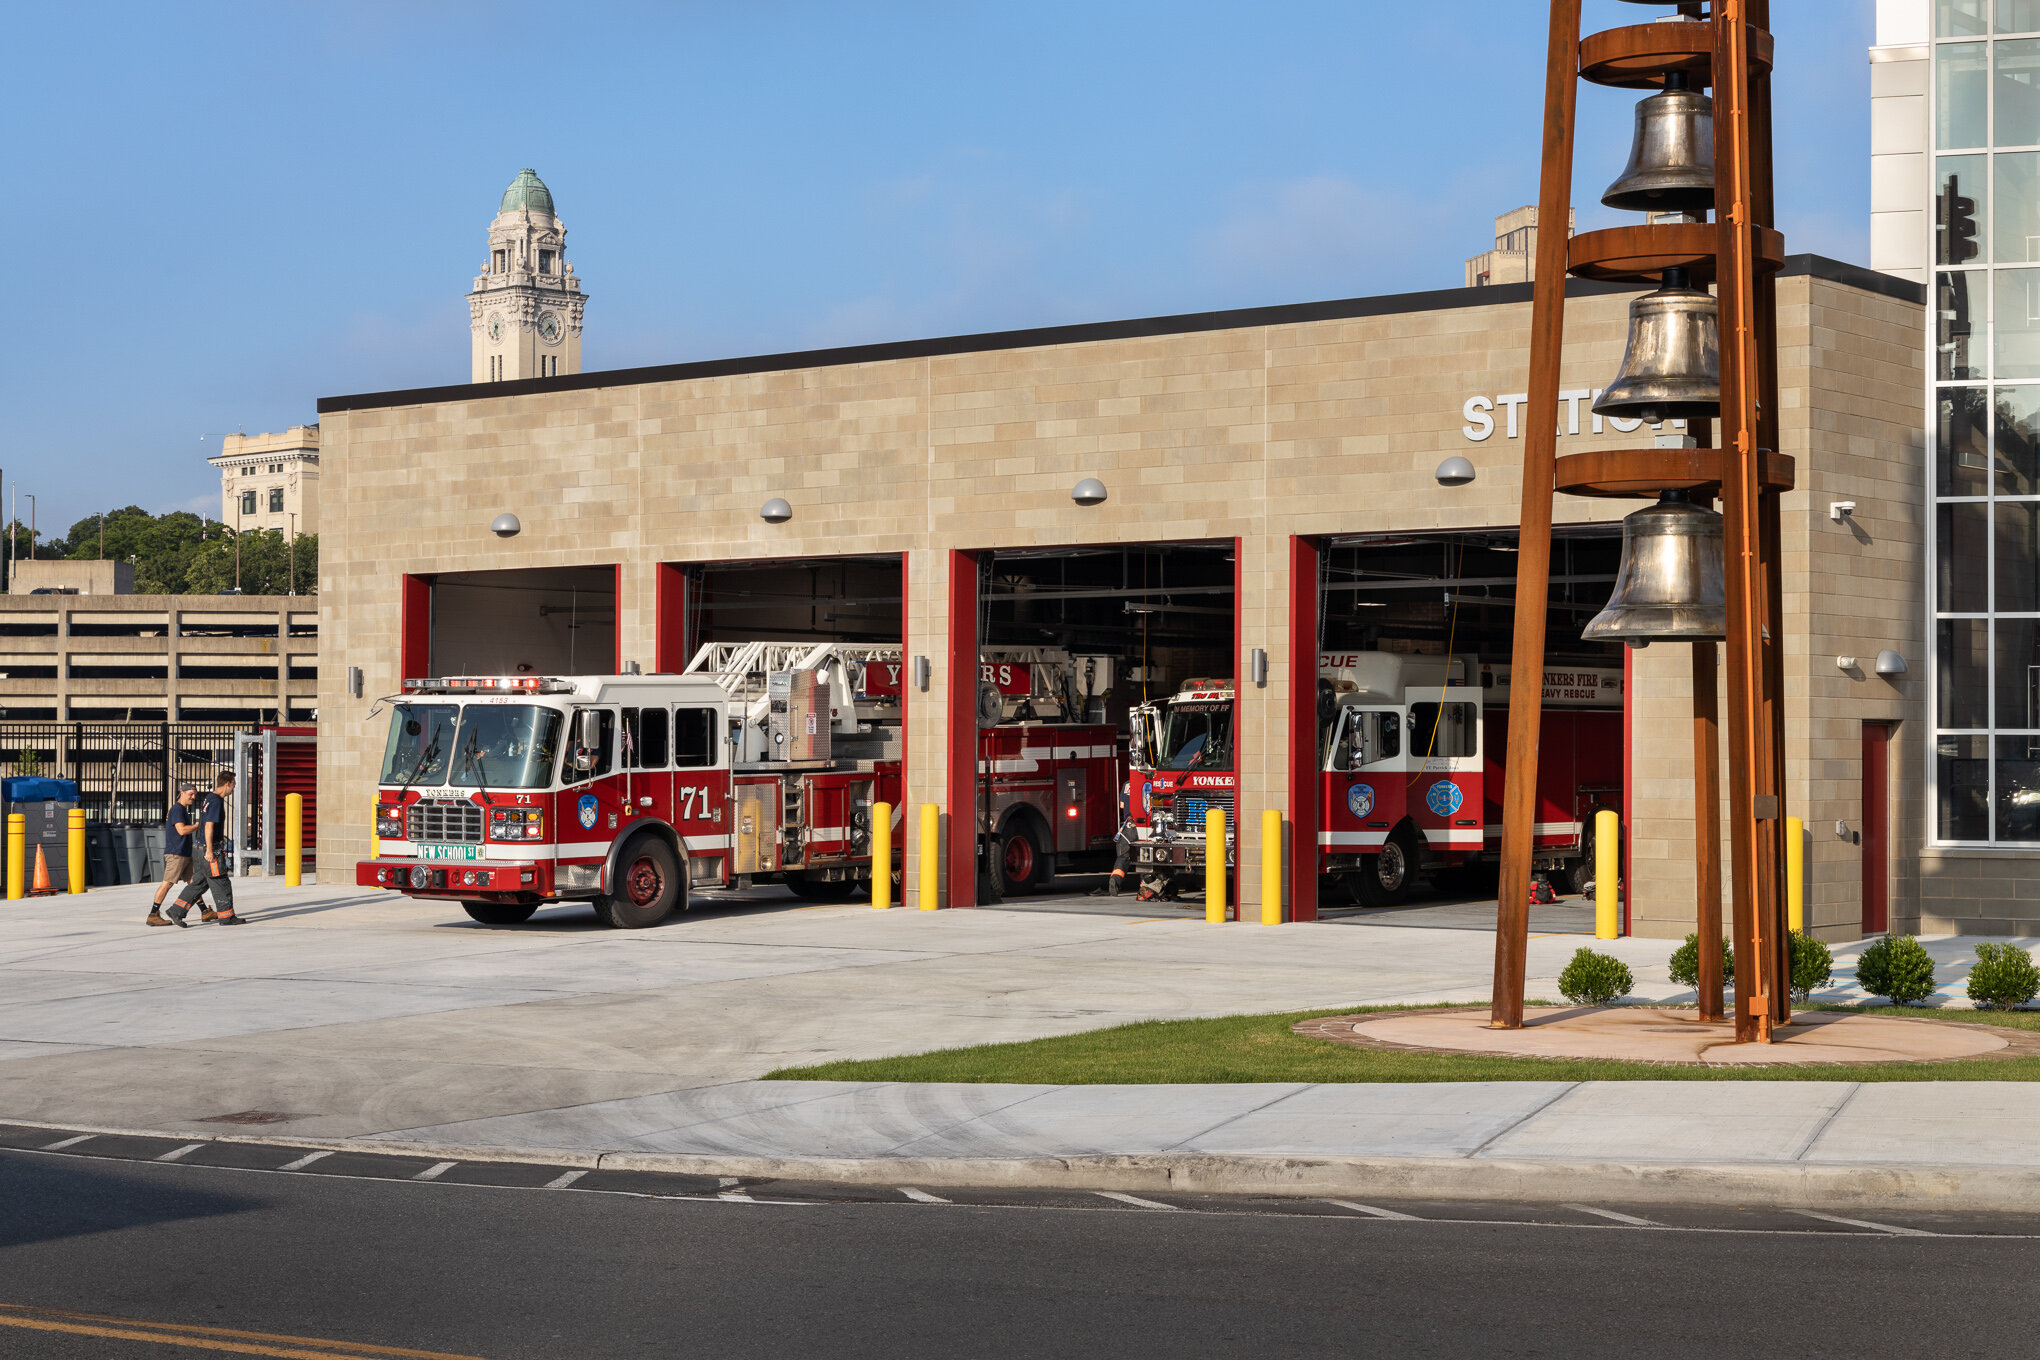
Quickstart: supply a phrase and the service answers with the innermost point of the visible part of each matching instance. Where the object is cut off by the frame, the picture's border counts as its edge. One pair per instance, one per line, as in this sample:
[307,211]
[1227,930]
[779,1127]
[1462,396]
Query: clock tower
[525,310]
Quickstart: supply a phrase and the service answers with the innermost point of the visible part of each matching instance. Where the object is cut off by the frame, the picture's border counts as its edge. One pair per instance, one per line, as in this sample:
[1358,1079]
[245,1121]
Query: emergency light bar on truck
[489,684]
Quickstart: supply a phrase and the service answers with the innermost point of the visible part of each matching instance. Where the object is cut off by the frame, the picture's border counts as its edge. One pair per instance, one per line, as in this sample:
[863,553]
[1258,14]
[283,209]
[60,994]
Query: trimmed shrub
[2003,977]
[1594,979]
[1685,962]
[1897,966]
[1813,965]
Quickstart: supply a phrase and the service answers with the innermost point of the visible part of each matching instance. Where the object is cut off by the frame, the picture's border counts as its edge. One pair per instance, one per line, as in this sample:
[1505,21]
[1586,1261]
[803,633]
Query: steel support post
[1533,560]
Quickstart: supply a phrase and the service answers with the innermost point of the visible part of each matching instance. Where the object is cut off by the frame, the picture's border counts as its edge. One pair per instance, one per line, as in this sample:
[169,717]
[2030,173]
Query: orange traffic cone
[42,875]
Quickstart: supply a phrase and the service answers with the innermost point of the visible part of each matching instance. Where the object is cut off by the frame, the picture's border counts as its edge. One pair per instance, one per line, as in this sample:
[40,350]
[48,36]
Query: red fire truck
[1411,771]
[506,793]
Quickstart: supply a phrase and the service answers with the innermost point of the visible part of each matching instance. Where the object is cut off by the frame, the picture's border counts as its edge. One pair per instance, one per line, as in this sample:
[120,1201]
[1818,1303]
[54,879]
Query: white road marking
[1135,1200]
[1631,1219]
[303,1162]
[921,1196]
[1373,1212]
[68,1142]
[435,1171]
[564,1179]
[736,1197]
[1891,1228]
[175,1154]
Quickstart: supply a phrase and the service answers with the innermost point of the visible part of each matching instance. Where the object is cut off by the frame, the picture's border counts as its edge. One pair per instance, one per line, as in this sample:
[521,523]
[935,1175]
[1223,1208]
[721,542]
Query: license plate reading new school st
[449,851]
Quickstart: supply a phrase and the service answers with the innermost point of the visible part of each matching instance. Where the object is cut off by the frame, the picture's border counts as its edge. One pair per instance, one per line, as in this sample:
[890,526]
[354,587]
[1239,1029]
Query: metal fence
[127,772]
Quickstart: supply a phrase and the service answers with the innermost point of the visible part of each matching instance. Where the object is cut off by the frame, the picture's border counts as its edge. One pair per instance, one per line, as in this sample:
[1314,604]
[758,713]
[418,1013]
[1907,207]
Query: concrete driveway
[356,1013]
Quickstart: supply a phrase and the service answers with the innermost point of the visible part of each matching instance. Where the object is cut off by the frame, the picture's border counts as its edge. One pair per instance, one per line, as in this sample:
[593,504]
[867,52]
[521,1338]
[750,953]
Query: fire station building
[1270,493]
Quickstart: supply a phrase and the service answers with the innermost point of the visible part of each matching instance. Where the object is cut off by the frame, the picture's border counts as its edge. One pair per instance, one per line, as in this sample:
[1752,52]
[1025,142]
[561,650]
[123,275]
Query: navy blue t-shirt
[212,809]
[177,842]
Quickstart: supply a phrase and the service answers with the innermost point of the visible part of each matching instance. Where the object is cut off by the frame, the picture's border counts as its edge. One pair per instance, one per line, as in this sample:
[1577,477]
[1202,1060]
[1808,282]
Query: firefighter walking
[210,866]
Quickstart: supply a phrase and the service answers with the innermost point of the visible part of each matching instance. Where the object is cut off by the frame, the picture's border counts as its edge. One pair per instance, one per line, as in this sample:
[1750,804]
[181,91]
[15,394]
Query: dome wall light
[1454,471]
[776,511]
[1090,491]
[505,525]
[1890,663]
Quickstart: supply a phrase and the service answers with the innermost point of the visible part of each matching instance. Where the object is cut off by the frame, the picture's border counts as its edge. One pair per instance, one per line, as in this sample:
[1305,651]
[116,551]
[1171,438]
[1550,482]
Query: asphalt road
[113,1258]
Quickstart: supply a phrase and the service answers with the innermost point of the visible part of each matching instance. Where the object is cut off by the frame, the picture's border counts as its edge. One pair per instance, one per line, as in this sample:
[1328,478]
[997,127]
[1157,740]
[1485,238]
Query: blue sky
[222,212]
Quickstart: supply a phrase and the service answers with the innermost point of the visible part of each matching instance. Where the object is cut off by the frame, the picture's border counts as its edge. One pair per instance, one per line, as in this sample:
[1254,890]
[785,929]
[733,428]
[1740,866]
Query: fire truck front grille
[1192,804]
[444,822]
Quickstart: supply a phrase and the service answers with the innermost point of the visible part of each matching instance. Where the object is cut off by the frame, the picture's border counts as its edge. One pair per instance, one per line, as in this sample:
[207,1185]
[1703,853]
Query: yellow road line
[225,1339]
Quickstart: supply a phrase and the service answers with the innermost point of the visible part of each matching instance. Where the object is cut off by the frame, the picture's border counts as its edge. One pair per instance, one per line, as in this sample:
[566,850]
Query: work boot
[1115,883]
[175,914]
[157,918]
[230,919]
[206,913]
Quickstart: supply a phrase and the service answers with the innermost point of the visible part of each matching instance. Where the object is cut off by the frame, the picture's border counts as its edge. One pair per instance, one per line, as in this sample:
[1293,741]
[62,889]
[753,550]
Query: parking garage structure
[1301,442]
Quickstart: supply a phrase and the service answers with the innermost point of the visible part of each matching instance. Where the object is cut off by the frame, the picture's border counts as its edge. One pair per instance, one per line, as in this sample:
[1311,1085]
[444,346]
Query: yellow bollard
[931,857]
[76,828]
[1271,867]
[374,840]
[1795,875]
[1607,873]
[881,856]
[1214,865]
[17,855]
[293,840]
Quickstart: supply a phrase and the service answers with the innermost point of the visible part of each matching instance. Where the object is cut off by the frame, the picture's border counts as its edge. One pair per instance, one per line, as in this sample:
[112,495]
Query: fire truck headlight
[421,877]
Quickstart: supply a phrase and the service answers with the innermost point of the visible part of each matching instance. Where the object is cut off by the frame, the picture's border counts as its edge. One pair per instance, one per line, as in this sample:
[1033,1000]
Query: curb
[1950,1189]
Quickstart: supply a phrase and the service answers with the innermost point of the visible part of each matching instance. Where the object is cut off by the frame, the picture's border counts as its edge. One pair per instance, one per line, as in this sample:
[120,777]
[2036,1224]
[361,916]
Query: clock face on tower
[496,327]
[549,328]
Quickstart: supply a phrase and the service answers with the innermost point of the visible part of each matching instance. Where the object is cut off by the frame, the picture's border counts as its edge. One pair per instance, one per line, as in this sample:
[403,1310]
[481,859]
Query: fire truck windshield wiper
[472,759]
[425,757]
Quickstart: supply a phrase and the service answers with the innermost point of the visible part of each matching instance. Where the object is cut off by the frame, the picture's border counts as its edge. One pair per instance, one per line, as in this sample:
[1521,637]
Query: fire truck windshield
[506,747]
[1196,736]
[510,746]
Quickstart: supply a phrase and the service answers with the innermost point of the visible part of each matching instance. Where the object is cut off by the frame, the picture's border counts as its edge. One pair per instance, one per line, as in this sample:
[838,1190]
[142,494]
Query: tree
[265,564]
[180,553]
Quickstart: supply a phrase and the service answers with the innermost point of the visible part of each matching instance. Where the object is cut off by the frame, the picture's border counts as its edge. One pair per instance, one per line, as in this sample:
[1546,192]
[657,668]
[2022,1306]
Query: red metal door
[1876,826]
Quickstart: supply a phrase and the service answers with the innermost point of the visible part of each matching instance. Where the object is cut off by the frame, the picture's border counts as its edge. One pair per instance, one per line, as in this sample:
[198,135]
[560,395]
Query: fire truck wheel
[1385,879]
[1018,862]
[647,886]
[500,913]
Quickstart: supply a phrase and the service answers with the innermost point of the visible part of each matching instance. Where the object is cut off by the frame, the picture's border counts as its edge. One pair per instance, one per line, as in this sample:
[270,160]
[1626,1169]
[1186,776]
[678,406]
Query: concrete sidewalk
[342,1015]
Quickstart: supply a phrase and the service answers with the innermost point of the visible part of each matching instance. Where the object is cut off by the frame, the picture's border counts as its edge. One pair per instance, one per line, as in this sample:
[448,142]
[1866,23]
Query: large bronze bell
[1670,586]
[1672,368]
[1671,160]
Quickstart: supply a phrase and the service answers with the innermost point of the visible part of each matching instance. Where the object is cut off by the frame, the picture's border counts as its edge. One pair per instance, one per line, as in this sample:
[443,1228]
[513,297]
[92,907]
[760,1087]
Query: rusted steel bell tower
[1688,575]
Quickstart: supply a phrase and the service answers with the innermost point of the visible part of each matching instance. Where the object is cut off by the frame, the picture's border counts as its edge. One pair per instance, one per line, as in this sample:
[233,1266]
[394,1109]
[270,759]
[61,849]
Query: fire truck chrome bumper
[437,876]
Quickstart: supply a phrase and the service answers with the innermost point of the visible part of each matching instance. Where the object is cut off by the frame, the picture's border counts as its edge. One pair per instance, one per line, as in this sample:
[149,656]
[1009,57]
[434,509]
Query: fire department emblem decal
[1360,799]
[590,811]
[1444,798]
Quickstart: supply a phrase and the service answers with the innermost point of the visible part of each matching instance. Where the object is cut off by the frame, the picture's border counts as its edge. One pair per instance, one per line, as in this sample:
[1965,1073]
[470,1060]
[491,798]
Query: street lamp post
[293,554]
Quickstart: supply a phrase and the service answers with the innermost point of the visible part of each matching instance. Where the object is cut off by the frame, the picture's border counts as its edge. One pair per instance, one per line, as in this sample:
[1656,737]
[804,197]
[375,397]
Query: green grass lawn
[1244,1048]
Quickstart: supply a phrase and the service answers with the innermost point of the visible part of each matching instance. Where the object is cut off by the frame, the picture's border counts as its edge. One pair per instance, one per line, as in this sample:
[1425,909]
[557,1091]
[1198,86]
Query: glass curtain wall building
[1985,470]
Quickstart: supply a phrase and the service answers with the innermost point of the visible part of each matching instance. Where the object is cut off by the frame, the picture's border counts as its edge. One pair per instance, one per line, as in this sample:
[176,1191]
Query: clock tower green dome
[527,193]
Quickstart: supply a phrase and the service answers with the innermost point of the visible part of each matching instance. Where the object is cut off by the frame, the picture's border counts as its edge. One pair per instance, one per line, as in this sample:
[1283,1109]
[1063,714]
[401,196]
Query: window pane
[2018,16]
[1959,96]
[694,737]
[1960,453]
[1962,527]
[1962,767]
[652,739]
[1961,203]
[2018,788]
[2018,673]
[2017,323]
[1960,658]
[1960,309]
[2018,442]
[2018,93]
[1958,18]
[2017,553]
[2016,227]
